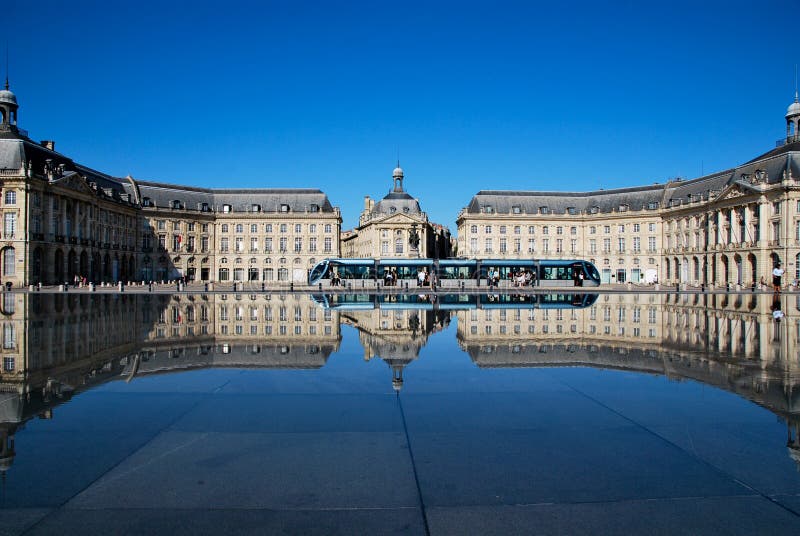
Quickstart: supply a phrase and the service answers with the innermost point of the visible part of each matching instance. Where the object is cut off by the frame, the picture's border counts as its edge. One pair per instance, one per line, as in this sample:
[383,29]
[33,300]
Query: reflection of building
[395,335]
[728,341]
[727,227]
[55,345]
[62,219]
[396,227]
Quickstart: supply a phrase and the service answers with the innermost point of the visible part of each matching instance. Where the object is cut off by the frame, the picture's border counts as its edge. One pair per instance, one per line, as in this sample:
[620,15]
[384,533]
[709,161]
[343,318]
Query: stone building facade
[727,228]
[62,219]
[396,227]
[256,235]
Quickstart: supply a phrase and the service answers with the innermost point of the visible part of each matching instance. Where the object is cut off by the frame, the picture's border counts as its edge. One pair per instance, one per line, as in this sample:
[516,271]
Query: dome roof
[794,109]
[7,97]
[398,172]
[397,202]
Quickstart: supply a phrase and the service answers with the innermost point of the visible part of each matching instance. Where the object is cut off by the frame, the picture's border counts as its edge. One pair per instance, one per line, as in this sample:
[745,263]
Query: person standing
[777,273]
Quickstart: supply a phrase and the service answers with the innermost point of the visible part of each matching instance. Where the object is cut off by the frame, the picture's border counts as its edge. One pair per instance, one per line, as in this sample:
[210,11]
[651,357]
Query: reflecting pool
[414,414]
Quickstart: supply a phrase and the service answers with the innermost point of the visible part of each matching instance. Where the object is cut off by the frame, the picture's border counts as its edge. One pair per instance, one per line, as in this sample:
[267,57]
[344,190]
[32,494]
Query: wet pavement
[625,414]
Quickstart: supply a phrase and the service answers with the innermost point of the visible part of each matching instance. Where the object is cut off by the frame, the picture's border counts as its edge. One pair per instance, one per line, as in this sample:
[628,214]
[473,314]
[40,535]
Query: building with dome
[726,228]
[395,227]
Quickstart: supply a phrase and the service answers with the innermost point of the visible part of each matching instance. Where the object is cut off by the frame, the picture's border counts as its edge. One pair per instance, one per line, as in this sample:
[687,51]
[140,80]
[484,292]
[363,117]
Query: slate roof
[240,200]
[16,149]
[768,168]
[395,202]
[508,201]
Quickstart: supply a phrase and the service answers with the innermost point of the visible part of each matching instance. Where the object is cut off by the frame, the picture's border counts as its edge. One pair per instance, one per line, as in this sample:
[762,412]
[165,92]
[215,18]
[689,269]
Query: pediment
[398,218]
[732,191]
[75,182]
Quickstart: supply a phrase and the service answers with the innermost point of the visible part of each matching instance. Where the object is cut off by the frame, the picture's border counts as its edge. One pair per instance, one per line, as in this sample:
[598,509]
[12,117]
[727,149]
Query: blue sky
[475,95]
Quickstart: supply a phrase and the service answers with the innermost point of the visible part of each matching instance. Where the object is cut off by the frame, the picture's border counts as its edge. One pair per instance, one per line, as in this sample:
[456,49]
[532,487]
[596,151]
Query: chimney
[49,144]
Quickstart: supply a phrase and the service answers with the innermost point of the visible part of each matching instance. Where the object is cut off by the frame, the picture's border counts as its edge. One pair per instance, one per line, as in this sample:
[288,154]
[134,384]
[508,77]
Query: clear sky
[475,95]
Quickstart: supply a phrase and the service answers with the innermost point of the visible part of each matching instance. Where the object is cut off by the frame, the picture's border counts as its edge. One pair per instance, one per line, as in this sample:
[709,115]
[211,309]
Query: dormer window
[392,209]
[488,209]
[284,208]
[652,205]
[516,209]
[623,208]
[147,202]
[226,208]
[255,208]
[313,208]
[594,210]
[204,207]
[572,211]
[405,210]
[176,204]
[544,210]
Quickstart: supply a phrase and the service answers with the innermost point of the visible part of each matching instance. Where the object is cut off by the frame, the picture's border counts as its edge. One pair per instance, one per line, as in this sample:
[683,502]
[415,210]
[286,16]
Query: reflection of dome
[794,109]
[6,461]
[794,454]
[7,97]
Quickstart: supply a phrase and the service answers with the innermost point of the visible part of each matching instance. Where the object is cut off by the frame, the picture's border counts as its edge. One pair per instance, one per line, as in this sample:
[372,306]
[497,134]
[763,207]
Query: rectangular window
[10,224]
[327,245]
[9,336]
[11,197]
[8,364]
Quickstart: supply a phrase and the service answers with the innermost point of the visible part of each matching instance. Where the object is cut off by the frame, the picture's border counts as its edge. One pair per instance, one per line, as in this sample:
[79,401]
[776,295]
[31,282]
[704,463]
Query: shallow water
[611,413]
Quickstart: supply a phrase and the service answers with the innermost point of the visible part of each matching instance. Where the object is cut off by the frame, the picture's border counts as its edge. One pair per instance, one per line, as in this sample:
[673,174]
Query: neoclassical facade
[727,228]
[396,227]
[62,219]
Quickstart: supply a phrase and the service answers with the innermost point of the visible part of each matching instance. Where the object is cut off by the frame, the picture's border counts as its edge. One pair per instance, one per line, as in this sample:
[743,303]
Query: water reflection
[55,346]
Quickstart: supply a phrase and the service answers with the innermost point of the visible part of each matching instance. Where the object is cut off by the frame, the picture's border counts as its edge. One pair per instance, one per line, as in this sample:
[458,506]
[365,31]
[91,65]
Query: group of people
[425,278]
[519,278]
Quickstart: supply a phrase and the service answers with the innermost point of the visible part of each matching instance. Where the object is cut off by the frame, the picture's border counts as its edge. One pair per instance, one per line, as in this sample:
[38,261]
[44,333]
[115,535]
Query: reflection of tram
[453,302]
[545,273]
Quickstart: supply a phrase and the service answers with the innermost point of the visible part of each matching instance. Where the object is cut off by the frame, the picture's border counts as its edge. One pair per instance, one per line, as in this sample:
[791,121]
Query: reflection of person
[777,313]
[777,272]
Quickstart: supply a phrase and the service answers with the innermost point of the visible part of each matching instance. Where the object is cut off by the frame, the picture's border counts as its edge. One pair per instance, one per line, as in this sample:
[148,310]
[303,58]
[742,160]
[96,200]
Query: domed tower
[793,120]
[8,108]
[397,177]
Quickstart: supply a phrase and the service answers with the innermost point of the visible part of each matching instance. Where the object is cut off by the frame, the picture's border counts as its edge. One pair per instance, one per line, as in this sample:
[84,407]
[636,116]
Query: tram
[544,273]
[454,302]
